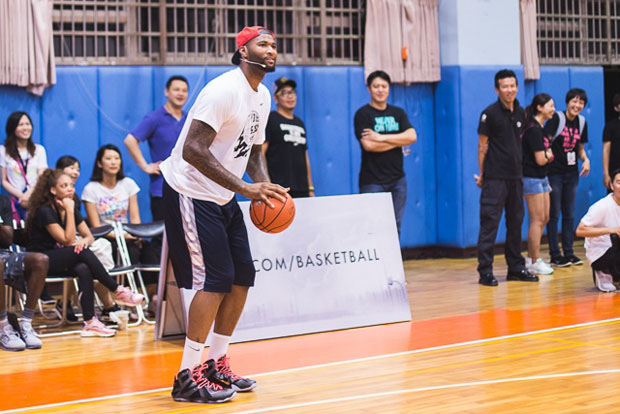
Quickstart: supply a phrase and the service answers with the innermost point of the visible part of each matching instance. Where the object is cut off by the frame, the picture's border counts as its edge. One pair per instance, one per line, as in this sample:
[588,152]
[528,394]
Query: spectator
[160,129]
[611,145]
[568,132]
[101,247]
[536,156]
[601,228]
[501,172]
[24,272]
[53,221]
[22,161]
[383,130]
[110,197]
[285,146]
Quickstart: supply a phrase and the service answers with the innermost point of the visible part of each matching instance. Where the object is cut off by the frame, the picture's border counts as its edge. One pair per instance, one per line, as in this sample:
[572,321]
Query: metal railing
[578,31]
[199,32]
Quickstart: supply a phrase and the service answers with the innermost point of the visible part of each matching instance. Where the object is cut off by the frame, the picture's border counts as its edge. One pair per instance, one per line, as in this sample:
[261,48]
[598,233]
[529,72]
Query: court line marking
[433,388]
[331,364]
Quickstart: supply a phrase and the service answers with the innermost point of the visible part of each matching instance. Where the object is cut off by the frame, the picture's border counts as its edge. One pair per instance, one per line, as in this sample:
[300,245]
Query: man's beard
[261,64]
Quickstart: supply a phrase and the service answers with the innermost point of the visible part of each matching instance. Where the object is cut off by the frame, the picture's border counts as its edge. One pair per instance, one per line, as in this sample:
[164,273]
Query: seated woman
[52,224]
[601,228]
[110,197]
[101,247]
[21,160]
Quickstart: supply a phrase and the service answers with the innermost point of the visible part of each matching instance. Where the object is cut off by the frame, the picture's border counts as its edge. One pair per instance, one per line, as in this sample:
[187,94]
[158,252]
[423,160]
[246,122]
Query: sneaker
[46,299]
[105,313]
[560,261]
[539,268]
[127,297]
[574,260]
[10,340]
[94,327]
[70,314]
[226,376]
[603,281]
[194,385]
[28,335]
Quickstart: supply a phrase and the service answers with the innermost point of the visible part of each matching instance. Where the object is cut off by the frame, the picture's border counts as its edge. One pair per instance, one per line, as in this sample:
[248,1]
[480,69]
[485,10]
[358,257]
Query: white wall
[479,32]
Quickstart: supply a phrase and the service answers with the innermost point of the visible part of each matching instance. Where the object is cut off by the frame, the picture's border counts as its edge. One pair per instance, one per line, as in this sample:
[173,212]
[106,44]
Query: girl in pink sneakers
[52,224]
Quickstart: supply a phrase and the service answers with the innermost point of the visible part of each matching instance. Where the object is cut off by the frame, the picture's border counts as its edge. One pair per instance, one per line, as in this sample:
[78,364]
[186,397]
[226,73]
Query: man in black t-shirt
[24,272]
[611,145]
[568,132]
[285,147]
[384,132]
[500,164]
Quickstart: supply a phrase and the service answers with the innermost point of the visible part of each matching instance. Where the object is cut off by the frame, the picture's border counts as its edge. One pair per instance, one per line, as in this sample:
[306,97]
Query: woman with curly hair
[52,224]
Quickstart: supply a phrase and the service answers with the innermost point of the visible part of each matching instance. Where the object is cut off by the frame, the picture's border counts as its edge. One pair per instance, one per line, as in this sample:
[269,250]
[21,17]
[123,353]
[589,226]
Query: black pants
[86,267]
[610,261]
[157,210]
[497,196]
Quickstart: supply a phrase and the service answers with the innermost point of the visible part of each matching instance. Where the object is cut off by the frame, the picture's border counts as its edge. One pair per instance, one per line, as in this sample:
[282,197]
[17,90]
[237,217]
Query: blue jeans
[398,189]
[562,197]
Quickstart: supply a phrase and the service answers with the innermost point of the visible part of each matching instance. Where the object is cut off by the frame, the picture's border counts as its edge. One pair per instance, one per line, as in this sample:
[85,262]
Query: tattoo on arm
[197,153]
[257,165]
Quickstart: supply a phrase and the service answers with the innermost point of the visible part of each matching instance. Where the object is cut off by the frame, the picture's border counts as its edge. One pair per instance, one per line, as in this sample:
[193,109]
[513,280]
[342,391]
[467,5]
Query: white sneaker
[540,268]
[29,336]
[10,340]
[603,281]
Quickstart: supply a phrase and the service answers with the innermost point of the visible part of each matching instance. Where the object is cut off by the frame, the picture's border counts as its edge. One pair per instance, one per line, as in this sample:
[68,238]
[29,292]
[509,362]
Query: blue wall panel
[91,106]
[70,121]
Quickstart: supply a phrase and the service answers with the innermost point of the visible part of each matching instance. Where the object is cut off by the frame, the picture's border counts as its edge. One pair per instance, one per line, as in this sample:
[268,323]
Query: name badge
[571,158]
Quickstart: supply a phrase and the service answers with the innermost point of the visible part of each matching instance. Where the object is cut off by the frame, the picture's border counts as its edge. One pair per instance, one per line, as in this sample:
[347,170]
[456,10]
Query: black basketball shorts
[207,243]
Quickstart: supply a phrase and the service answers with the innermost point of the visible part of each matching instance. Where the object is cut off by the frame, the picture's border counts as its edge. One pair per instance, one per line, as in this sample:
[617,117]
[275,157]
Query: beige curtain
[529,48]
[394,24]
[26,44]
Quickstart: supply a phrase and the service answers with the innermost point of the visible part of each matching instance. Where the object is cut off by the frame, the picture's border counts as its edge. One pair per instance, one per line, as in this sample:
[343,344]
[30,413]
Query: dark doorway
[611,81]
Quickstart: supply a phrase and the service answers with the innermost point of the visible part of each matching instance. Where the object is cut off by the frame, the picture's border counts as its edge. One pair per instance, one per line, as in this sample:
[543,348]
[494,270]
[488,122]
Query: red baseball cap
[248,33]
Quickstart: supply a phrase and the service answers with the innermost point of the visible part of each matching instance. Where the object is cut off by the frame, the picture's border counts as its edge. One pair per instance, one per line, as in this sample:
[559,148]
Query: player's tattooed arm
[257,165]
[197,153]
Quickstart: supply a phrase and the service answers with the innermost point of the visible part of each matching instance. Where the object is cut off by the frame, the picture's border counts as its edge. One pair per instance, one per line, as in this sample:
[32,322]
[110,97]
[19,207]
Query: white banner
[337,266]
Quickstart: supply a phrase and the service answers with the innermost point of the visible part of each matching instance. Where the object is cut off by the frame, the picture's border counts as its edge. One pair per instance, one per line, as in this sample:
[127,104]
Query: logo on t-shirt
[386,124]
[293,134]
[569,136]
[245,140]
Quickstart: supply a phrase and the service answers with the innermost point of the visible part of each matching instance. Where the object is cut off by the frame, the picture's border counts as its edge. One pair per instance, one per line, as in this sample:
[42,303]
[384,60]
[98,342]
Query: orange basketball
[272,220]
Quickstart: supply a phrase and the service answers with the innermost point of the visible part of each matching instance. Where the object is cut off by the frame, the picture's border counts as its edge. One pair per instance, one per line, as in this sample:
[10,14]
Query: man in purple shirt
[161,129]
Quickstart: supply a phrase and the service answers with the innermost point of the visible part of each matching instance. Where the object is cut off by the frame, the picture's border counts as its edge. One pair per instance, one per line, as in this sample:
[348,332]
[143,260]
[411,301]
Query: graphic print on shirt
[569,136]
[385,124]
[245,140]
[112,208]
[293,134]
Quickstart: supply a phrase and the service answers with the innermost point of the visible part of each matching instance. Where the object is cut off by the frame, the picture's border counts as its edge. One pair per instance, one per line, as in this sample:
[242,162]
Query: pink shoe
[95,328]
[127,297]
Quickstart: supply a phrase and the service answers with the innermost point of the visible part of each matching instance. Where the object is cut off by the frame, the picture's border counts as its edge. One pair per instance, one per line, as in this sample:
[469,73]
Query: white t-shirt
[33,164]
[112,203]
[603,213]
[238,114]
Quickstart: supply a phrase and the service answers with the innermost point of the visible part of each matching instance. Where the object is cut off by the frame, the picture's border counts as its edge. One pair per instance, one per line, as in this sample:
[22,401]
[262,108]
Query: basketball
[272,220]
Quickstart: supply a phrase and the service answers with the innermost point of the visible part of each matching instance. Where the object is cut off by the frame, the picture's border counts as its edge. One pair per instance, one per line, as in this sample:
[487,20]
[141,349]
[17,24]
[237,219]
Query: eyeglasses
[288,93]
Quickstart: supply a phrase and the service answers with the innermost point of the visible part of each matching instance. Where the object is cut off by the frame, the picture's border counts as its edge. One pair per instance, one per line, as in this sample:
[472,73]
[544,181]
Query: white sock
[192,352]
[219,346]
[4,322]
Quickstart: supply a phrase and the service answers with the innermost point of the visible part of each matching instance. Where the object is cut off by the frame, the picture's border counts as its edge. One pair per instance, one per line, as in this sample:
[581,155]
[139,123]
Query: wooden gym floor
[521,347]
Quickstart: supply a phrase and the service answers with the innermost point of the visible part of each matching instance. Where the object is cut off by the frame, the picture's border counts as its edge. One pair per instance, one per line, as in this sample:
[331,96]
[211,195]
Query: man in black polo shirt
[611,145]
[500,163]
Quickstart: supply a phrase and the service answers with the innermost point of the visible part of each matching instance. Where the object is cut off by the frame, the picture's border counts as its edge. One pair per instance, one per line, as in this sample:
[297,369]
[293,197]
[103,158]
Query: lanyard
[23,167]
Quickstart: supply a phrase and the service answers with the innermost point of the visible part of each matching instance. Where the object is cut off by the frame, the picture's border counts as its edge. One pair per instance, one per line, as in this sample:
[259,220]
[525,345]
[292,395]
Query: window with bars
[199,32]
[578,31]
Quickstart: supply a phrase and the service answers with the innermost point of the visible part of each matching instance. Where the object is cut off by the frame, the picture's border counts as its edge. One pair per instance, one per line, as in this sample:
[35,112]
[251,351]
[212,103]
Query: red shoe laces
[202,381]
[224,368]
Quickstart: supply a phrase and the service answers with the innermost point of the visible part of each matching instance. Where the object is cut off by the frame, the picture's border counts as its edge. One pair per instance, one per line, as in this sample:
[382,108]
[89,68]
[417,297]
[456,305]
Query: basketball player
[208,240]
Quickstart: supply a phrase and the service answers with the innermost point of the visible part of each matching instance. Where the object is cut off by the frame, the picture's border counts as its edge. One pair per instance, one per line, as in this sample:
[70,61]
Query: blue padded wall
[459,99]
[92,106]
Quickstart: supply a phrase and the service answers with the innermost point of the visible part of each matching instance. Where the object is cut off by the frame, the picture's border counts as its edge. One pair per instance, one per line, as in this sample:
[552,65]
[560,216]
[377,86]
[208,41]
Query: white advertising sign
[337,266]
